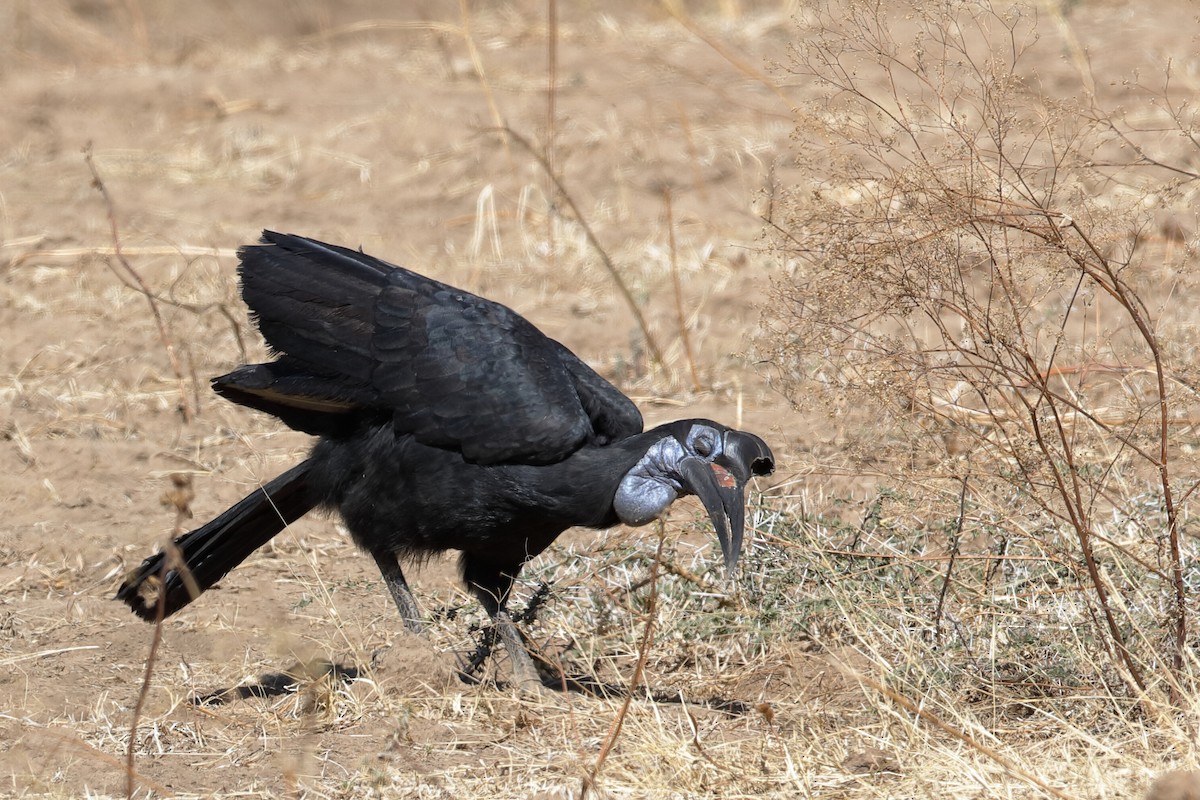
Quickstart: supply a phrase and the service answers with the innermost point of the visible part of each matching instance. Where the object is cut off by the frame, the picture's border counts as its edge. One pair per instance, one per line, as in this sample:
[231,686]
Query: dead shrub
[993,279]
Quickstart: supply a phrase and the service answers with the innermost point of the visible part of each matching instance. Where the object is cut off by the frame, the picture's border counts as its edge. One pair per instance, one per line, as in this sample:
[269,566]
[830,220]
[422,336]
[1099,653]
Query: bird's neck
[583,486]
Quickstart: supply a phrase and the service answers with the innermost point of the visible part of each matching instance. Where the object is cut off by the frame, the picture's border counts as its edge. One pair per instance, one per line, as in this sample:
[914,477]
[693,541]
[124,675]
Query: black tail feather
[212,550]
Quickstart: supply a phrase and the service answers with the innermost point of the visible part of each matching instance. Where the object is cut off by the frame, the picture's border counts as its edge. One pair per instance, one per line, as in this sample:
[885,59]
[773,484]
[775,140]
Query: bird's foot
[526,678]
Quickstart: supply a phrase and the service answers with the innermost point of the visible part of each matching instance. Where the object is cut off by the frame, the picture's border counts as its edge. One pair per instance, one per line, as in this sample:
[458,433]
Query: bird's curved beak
[721,487]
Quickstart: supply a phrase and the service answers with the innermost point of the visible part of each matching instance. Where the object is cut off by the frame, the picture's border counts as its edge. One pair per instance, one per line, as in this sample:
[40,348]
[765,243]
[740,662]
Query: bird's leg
[389,566]
[525,674]
[491,584]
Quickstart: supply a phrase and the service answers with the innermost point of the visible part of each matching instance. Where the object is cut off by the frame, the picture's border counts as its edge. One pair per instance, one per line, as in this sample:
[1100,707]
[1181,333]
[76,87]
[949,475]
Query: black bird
[445,422]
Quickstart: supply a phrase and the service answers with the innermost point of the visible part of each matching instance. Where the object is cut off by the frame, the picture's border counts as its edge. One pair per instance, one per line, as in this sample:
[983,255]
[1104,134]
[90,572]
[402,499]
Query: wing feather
[454,370]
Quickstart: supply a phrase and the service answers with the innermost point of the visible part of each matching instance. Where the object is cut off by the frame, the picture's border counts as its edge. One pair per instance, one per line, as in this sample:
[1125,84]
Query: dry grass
[851,658]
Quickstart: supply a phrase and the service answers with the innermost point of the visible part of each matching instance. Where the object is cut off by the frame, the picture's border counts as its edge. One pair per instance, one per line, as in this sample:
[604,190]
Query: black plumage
[446,422]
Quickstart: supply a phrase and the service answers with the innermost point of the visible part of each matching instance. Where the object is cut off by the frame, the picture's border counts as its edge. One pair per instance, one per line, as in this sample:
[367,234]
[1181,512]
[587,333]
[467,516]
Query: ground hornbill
[445,422]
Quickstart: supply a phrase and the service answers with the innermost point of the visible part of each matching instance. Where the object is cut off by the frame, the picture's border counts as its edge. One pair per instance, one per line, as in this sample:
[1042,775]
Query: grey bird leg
[491,583]
[525,674]
[389,566]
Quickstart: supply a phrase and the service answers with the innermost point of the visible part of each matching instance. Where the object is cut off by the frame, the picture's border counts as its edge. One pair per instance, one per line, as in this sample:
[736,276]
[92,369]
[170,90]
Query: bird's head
[702,458]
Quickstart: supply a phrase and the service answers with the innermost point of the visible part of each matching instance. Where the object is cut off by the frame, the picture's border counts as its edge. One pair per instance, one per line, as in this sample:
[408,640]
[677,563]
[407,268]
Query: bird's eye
[703,445]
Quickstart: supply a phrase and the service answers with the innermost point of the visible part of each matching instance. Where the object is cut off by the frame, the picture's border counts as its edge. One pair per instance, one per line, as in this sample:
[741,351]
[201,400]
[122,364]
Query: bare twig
[551,118]
[955,541]
[477,63]
[147,674]
[614,729]
[679,315]
[185,409]
[622,287]
[675,9]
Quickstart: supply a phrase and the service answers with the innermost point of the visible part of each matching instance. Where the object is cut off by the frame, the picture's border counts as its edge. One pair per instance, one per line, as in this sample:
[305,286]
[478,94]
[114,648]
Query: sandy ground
[372,124]
[363,124]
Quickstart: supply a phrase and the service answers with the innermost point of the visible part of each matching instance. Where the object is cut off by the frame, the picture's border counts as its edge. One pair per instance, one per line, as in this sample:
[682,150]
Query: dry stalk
[614,729]
[477,62]
[955,541]
[147,674]
[685,123]
[651,344]
[1137,311]
[929,717]
[185,409]
[680,317]
[551,117]
[1070,490]
[675,9]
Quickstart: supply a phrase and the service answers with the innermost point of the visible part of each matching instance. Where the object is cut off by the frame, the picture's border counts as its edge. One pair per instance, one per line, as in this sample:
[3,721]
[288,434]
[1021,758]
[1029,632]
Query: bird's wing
[613,415]
[461,371]
[452,369]
[298,395]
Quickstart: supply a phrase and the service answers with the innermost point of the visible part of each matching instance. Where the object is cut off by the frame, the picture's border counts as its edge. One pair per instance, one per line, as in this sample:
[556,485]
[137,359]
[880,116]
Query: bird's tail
[200,558]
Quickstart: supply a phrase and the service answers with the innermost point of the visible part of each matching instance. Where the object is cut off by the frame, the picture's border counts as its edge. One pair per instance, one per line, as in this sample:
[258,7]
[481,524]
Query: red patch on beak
[724,479]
